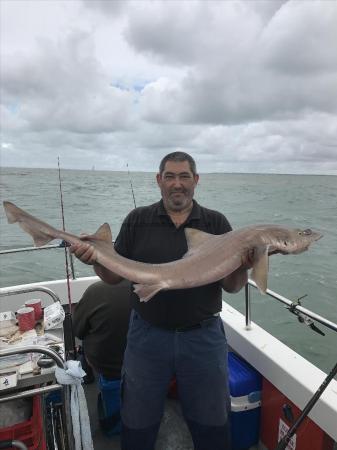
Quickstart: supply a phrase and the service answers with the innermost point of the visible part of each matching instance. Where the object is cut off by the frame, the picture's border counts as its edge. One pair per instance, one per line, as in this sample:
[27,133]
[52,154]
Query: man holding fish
[179,254]
[178,332]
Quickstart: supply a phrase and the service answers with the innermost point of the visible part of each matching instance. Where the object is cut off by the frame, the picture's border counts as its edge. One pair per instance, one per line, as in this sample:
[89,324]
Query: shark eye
[306,232]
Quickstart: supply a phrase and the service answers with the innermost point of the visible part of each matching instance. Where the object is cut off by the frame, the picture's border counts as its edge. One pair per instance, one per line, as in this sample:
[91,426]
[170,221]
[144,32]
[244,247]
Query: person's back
[101,320]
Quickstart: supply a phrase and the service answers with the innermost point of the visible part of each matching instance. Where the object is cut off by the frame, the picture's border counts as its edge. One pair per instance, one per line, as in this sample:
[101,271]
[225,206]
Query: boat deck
[173,433]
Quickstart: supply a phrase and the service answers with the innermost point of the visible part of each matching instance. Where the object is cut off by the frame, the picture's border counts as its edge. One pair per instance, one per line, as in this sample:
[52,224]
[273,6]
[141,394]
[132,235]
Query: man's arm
[106,274]
[237,279]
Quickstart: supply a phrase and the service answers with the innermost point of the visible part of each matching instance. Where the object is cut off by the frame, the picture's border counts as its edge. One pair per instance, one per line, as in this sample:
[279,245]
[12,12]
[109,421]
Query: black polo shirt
[149,235]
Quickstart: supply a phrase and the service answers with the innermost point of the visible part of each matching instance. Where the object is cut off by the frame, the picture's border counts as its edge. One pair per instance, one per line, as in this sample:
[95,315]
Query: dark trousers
[198,359]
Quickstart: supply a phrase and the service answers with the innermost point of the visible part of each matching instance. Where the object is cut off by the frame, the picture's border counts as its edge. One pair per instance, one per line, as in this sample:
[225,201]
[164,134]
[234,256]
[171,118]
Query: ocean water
[94,197]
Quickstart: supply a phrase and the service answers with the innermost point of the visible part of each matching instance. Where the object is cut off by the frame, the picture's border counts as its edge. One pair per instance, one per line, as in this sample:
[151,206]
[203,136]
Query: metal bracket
[303,318]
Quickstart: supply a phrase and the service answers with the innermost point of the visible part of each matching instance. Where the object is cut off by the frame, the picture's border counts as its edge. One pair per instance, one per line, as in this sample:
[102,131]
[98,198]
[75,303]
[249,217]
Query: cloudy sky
[244,86]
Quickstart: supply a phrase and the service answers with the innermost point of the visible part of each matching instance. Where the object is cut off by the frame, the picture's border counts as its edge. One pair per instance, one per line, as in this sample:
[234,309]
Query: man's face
[177,184]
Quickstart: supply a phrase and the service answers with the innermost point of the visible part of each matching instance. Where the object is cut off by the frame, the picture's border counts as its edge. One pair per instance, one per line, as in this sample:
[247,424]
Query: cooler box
[278,414]
[245,385]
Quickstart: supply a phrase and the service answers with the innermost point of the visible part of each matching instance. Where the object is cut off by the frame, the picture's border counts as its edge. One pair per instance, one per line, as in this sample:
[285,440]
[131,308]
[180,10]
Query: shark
[209,258]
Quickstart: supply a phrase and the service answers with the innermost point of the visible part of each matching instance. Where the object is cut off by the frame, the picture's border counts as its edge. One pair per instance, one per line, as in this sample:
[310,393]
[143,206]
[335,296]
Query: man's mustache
[178,191]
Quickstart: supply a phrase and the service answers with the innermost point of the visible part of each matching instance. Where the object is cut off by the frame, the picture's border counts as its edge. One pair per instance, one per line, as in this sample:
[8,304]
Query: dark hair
[178,157]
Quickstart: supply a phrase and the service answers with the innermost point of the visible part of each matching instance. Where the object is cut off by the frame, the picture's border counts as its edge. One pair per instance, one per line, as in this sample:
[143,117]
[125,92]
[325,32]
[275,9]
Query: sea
[93,197]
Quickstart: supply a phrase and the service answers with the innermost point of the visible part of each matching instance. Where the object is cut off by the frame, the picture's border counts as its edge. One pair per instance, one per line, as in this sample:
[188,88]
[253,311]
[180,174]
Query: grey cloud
[249,96]
[63,87]
[113,8]
[302,38]
[297,140]
[276,70]
[191,34]
[266,9]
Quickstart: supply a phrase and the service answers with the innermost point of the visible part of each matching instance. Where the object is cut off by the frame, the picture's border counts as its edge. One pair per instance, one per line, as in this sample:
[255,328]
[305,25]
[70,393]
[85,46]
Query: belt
[202,324]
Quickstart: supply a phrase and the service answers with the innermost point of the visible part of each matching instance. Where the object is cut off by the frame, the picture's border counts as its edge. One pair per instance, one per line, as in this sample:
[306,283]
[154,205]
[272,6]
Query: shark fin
[146,291]
[194,239]
[104,233]
[260,268]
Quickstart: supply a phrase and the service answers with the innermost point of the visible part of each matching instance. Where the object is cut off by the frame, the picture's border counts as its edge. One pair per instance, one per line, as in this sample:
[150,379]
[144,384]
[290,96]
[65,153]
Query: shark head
[295,240]
[278,239]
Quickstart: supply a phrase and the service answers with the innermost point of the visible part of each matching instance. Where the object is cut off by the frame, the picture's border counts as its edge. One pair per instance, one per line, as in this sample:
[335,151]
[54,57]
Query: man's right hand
[84,251]
[87,253]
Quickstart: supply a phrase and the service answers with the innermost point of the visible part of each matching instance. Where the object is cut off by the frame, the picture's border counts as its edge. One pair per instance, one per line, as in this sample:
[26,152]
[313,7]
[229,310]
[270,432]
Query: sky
[243,86]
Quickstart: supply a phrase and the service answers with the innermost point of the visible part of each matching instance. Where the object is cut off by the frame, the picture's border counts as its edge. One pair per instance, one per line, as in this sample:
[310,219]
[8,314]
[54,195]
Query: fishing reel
[303,318]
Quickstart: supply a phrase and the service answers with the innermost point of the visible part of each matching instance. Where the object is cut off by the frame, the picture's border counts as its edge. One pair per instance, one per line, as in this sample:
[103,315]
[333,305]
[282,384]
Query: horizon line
[148,171]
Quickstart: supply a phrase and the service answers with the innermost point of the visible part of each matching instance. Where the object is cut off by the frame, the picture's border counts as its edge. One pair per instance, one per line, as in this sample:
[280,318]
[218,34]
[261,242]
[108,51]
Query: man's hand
[87,253]
[84,251]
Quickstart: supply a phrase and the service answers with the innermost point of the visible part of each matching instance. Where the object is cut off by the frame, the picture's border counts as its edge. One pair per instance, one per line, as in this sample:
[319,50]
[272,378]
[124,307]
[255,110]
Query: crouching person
[101,320]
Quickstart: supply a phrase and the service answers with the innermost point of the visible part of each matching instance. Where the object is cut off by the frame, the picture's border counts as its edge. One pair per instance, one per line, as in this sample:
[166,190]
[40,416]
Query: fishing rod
[311,403]
[69,340]
[130,180]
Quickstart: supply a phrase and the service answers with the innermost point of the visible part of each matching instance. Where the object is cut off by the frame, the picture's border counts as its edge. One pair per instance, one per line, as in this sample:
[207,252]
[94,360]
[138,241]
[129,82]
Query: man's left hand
[248,259]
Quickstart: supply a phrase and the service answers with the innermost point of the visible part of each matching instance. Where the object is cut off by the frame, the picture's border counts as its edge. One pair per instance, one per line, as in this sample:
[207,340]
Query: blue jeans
[198,359]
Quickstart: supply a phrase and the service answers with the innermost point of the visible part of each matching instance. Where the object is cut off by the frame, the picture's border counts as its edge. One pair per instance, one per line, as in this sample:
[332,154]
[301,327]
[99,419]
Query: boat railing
[62,244]
[31,249]
[4,292]
[43,389]
[304,315]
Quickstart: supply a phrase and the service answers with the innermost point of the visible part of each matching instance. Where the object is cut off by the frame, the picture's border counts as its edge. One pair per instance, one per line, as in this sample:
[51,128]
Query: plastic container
[108,405]
[245,385]
[29,432]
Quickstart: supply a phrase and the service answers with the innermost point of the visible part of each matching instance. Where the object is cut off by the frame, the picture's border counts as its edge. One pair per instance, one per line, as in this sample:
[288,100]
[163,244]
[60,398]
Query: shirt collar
[195,213]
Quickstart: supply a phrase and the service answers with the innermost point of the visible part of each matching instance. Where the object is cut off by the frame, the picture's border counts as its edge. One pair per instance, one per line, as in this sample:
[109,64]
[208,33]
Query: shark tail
[41,232]
[146,291]
[11,212]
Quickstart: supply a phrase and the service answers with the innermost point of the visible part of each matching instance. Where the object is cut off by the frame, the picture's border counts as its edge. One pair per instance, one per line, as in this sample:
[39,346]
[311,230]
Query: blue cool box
[245,385]
[108,405]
